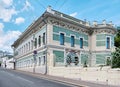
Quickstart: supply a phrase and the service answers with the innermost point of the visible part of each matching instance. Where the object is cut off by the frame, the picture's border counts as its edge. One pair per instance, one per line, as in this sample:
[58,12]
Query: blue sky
[17,15]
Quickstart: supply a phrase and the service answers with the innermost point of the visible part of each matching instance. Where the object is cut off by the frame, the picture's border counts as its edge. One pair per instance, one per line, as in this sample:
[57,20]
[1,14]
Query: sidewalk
[78,83]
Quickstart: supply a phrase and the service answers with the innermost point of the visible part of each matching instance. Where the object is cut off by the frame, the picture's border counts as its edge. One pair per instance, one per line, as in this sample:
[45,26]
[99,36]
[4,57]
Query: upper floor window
[29,46]
[81,42]
[35,42]
[61,39]
[108,42]
[72,41]
[43,38]
[39,40]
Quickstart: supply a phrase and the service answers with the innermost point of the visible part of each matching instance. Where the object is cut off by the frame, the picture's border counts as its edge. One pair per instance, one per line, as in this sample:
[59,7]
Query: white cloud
[7,10]
[7,2]
[19,20]
[27,6]
[73,14]
[7,39]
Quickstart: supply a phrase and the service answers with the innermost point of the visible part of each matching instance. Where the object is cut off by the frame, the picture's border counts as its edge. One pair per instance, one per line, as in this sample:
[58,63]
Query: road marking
[25,80]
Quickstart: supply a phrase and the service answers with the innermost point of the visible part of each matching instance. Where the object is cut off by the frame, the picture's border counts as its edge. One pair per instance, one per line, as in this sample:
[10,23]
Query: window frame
[72,43]
[107,42]
[63,38]
[82,42]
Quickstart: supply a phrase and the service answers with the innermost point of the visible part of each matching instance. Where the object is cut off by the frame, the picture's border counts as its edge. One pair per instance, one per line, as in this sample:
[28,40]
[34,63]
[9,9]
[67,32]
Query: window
[61,39]
[72,58]
[31,44]
[39,40]
[43,60]
[39,61]
[81,42]
[72,41]
[43,38]
[108,42]
[26,47]
[35,42]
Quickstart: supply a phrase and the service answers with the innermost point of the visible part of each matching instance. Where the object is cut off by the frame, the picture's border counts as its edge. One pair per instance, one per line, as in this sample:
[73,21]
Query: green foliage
[116,58]
[108,62]
[117,39]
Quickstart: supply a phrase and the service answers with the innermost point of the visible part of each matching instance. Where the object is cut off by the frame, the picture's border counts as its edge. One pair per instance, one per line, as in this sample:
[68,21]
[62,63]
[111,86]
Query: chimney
[88,23]
[104,22]
[49,8]
[111,23]
[94,23]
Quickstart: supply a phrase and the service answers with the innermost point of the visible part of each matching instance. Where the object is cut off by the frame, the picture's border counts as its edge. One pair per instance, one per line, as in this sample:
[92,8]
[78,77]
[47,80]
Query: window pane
[43,38]
[39,41]
[72,41]
[61,39]
[108,43]
[35,42]
[81,42]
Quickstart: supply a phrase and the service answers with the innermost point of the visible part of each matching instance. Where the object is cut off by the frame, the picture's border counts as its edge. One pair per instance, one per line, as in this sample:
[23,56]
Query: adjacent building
[59,40]
[7,62]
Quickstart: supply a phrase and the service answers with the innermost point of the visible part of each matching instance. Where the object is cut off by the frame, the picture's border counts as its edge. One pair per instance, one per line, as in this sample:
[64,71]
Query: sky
[17,15]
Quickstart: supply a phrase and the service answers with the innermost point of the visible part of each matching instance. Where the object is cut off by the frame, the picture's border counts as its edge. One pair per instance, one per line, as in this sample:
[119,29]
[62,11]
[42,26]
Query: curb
[46,77]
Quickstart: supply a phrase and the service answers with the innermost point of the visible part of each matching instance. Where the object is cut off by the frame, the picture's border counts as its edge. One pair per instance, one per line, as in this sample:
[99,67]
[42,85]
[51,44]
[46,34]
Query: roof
[53,13]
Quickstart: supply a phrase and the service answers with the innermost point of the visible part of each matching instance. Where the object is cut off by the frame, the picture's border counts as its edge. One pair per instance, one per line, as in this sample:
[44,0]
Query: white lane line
[24,79]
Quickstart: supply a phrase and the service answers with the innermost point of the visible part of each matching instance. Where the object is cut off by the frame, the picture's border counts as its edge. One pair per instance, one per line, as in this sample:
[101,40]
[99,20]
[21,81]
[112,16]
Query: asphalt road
[9,78]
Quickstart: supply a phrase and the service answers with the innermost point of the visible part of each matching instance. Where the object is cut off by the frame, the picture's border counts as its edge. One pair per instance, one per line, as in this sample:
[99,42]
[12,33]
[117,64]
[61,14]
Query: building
[7,62]
[59,40]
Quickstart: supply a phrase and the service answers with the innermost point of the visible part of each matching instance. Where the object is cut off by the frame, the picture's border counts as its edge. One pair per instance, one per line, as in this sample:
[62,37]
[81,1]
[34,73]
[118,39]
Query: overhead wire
[41,4]
[62,4]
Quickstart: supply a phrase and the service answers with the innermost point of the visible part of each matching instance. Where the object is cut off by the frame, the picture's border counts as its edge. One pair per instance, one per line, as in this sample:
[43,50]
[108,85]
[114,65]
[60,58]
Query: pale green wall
[101,58]
[101,39]
[68,32]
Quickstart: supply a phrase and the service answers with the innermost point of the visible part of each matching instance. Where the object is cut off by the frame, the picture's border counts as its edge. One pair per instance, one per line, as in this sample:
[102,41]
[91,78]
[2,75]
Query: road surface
[10,78]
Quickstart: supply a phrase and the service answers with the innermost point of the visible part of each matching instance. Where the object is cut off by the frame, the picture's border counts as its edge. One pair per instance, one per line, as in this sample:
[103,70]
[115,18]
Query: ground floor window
[43,60]
[84,60]
[58,57]
[72,58]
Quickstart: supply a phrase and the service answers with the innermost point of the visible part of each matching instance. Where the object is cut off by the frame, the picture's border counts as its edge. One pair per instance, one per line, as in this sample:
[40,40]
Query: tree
[117,38]
[116,58]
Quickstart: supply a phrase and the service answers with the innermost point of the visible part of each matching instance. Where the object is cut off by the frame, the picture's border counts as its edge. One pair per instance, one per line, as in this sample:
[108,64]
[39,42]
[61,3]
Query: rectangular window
[43,38]
[61,39]
[108,42]
[35,42]
[72,41]
[39,61]
[39,40]
[43,59]
[29,46]
[81,42]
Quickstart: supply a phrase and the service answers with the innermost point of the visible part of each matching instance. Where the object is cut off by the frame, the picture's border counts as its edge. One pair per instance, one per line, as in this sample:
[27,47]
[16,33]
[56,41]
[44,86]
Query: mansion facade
[59,40]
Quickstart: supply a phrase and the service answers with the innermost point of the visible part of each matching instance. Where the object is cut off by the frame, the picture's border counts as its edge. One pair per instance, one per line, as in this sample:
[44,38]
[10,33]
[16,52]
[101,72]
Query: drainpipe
[46,52]
[45,47]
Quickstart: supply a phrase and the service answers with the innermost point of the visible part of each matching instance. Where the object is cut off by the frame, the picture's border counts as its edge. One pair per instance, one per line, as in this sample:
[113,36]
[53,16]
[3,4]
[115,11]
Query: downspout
[46,48]
[46,52]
